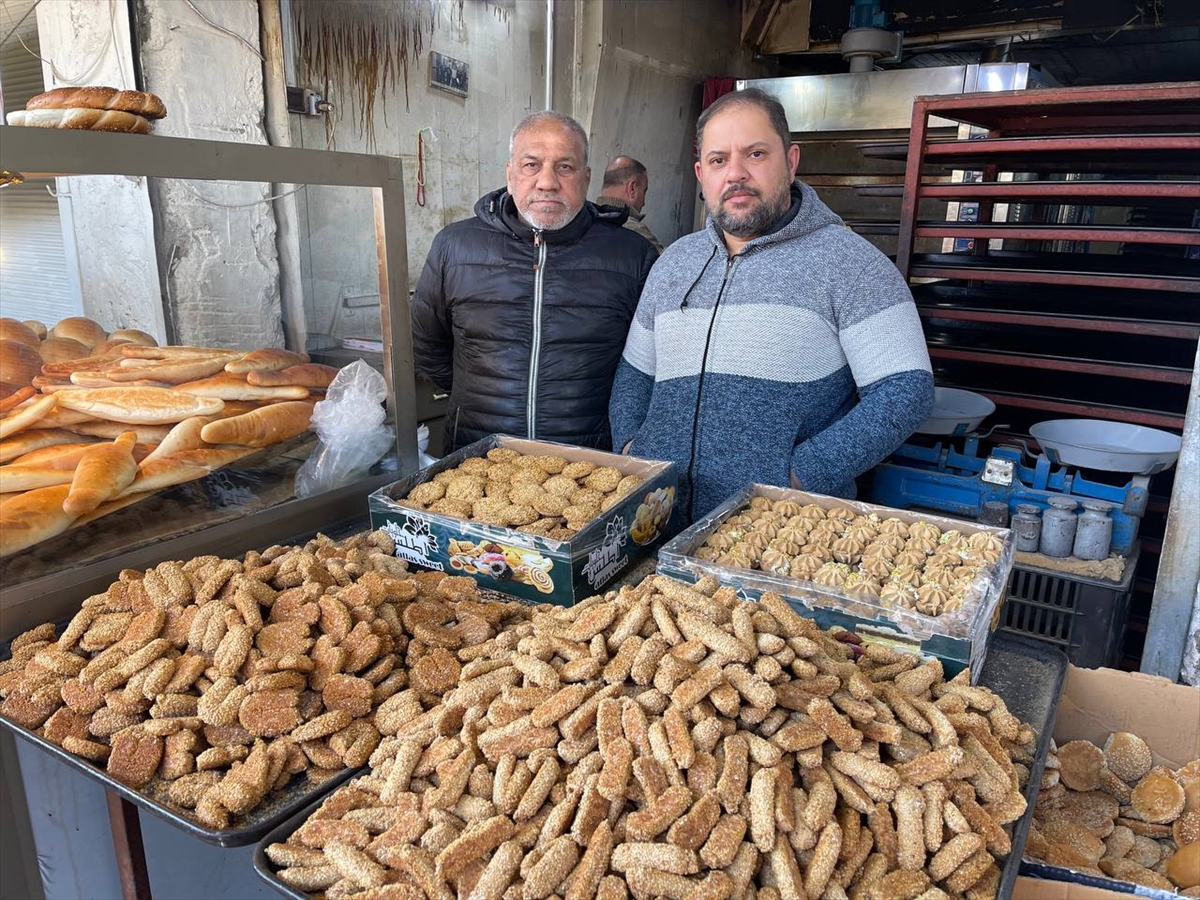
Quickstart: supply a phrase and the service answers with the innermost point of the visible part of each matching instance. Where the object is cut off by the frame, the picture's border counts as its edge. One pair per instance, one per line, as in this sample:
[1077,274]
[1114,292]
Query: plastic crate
[1084,616]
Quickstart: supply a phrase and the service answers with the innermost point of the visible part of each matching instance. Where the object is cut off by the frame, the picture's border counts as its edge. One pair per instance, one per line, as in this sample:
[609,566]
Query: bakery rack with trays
[38,153]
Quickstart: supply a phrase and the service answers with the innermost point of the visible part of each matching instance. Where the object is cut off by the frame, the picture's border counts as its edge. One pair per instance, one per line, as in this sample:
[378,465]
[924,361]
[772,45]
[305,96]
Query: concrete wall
[108,224]
[219,262]
[506,81]
[652,66]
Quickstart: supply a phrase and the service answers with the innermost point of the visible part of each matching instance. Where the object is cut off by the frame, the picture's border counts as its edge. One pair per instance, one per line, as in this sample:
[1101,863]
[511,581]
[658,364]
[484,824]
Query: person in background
[521,312]
[775,346]
[625,186]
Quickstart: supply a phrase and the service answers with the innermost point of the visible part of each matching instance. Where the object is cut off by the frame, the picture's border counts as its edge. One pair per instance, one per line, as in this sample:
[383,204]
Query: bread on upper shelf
[92,420]
[90,109]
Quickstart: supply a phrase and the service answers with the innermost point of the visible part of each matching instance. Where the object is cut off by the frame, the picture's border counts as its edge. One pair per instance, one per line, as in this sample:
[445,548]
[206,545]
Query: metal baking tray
[265,869]
[277,807]
[1028,674]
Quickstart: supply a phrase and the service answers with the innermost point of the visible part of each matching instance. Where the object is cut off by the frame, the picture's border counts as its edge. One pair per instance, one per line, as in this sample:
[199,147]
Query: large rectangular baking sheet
[277,807]
[1028,674]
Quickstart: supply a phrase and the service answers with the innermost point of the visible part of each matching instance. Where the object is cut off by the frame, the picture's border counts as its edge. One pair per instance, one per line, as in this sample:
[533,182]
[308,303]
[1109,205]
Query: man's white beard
[547,223]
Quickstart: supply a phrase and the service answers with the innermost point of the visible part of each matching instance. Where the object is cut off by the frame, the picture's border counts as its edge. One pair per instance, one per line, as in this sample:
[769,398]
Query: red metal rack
[1089,310]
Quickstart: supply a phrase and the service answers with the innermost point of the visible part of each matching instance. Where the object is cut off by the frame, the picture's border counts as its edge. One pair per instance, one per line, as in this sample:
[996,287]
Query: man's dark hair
[749,97]
[621,169]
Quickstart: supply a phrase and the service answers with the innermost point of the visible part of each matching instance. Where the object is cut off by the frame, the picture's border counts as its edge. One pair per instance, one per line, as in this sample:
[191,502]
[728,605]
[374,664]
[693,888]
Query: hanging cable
[222,28]
[421,168]
[66,80]
[195,193]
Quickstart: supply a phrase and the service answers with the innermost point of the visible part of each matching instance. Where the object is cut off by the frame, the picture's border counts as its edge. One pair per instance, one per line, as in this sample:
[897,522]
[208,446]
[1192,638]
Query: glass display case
[250,500]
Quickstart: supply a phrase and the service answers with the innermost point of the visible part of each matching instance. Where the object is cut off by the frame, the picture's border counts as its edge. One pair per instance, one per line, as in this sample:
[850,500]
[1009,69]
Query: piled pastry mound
[676,742]
[1110,811]
[211,683]
[537,494]
[914,566]
[91,109]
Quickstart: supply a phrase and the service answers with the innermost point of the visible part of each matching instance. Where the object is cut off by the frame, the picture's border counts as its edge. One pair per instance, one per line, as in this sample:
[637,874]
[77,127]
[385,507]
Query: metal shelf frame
[1141,144]
[46,153]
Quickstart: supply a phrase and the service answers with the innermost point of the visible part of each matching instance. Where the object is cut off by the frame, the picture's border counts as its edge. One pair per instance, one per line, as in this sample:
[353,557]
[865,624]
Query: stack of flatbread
[92,434]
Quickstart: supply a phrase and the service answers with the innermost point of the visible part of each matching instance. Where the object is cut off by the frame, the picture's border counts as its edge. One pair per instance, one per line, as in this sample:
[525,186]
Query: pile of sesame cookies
[545,495]
[211,683]
[1110,811]
[676,742]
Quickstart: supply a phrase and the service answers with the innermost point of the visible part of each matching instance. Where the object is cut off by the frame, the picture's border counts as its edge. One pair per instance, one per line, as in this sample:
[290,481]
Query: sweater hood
[812,216]
[498,210]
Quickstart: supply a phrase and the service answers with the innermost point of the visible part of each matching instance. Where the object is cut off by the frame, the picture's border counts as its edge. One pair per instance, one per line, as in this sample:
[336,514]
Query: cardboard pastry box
[530,566]
[1033,889]
[958,639]
[1095,703]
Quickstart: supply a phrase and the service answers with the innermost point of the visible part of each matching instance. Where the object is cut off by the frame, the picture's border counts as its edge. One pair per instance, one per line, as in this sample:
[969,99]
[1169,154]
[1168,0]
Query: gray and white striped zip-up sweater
[801,354]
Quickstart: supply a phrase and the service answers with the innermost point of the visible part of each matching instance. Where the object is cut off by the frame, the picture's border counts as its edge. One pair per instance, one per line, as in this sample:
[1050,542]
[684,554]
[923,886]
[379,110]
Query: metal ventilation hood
[882,101]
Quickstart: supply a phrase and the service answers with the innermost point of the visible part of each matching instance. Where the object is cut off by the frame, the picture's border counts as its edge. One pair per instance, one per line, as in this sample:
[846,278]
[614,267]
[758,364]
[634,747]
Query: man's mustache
[737,191]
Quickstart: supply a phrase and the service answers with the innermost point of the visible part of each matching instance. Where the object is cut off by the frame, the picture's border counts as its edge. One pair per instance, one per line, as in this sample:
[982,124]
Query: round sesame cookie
[579,469]
[474,465]
[603,479]
[501,472]
[631,482]
[551,464]
[517,515]
[489,509]
[429,492]
[460,509]
[586,497]
[550,504]
[581,514]
[466,487]
[560,485]
[529,475]
[499,489]
[525,494]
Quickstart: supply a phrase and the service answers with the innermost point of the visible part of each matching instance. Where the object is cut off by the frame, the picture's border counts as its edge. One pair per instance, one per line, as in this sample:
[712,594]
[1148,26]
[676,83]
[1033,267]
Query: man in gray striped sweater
[776,345]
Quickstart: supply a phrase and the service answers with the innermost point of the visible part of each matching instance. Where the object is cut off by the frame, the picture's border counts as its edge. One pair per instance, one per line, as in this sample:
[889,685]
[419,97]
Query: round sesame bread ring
[139,103]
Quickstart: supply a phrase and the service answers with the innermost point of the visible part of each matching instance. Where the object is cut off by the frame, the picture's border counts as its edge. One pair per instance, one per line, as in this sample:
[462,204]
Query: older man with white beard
[521,312]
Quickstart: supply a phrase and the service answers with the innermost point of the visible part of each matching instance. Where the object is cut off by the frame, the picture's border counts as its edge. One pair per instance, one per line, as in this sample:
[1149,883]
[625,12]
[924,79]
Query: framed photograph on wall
[448,73]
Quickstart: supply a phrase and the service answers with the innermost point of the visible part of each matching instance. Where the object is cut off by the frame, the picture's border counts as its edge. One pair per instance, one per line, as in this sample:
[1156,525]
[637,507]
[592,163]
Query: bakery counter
[100,473]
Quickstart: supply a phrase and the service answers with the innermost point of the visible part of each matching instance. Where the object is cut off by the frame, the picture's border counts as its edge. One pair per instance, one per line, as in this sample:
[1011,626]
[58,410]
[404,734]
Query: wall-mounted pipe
[549,54]
[279,134]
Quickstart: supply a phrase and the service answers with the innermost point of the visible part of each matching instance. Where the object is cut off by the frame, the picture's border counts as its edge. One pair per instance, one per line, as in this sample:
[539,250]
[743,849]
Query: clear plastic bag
[349,422]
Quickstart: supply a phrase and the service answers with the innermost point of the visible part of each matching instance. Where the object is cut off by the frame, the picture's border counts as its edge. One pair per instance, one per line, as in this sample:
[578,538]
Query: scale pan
[956,412]
[1107,446]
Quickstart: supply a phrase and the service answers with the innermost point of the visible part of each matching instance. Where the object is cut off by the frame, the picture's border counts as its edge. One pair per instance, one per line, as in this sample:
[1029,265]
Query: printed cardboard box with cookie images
[1096,703]
[959,639]
[530,566]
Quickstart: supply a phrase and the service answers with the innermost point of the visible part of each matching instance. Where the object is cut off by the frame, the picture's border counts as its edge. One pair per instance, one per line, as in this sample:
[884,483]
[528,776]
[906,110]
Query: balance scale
[944,479]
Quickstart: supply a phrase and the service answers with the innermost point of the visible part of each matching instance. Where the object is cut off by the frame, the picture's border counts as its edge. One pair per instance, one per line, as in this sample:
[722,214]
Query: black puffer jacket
[526,334]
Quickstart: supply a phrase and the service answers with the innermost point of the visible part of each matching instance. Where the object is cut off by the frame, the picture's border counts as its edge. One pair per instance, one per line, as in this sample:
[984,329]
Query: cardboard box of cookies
[1034,889]
[917,582]
[1119,809]
[537,520]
